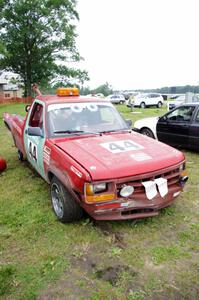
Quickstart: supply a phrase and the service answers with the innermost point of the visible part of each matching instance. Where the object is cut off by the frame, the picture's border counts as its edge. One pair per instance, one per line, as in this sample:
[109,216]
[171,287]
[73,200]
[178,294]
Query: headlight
[98,192]
[92,189]
[126,191]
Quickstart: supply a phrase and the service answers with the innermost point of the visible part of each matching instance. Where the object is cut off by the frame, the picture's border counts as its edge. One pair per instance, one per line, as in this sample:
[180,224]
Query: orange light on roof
[67,92]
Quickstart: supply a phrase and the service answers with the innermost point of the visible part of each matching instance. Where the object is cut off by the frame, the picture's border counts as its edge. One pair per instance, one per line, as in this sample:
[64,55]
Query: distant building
[2,84]
[8,90]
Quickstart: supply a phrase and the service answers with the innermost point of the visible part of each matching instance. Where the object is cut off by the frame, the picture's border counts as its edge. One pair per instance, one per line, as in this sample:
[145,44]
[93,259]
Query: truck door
[34,144]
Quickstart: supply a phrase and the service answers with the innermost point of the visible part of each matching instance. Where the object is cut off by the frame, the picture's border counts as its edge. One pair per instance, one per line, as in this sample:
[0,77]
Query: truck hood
[118,155]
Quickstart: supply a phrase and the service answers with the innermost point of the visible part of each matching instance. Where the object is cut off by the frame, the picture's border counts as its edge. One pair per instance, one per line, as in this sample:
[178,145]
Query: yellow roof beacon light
[62,92]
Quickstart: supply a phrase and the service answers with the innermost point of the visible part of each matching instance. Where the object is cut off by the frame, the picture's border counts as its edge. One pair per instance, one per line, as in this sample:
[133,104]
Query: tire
[20,155]
[142,105]
[147,132]
[64,205]
[121,102]
[159,105]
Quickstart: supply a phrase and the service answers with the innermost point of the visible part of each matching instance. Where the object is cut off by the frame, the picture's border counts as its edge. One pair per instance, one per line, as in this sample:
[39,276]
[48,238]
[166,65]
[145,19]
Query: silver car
[116,99]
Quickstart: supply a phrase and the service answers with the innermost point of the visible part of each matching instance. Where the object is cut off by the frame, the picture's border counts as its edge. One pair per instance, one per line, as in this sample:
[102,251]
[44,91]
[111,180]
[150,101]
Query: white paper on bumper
[150,189]
[162,186]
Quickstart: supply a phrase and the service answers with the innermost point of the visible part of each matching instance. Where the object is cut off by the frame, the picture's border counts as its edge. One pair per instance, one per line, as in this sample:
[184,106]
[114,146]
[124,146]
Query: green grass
[155,258]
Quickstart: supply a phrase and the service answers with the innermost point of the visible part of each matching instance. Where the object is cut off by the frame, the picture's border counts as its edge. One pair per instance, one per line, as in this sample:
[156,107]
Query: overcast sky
[134,44]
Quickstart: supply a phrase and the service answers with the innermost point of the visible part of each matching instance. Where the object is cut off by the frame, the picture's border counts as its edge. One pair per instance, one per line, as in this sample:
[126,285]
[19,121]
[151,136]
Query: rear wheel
[142,105]
[147,132]
[159,105]
[64,205]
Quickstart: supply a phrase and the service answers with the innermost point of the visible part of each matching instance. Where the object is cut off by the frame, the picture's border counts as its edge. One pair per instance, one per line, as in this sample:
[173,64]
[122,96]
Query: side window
[182,114]
[36,118]
[197,117]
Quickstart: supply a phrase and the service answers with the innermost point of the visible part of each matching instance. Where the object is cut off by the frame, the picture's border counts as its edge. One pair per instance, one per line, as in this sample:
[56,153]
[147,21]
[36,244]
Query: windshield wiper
[115,130]
[76,132]
[68,131]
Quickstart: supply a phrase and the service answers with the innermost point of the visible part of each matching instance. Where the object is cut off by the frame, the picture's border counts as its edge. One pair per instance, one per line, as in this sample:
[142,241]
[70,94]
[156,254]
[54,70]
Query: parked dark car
[179,127]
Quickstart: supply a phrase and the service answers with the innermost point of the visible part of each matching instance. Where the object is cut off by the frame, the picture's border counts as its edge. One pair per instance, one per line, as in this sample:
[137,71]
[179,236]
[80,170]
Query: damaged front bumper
[142,203]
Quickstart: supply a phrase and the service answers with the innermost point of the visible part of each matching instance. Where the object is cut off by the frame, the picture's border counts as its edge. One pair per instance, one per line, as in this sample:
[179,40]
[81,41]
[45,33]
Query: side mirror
[27,108]
[129,122]
[163,119]
[35,131]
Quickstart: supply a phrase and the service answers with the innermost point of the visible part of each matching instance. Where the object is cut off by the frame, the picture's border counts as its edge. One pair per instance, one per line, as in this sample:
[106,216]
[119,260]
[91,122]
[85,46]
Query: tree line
[176,89]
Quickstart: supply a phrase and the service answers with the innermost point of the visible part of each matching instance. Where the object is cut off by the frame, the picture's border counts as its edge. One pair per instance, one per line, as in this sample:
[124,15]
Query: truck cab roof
[51,99]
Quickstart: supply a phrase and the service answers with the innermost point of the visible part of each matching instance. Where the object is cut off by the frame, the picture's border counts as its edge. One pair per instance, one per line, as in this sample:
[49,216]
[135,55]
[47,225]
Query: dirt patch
[77,282]
[82,278]
[117,238]
[112,273]
[103,227]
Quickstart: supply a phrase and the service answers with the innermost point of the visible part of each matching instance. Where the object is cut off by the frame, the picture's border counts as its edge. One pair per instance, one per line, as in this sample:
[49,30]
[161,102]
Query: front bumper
[138,205]
[137,208]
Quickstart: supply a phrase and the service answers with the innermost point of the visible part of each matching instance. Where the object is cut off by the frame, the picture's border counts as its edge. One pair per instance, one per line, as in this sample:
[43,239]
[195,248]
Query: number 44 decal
[32,150]
[121,146]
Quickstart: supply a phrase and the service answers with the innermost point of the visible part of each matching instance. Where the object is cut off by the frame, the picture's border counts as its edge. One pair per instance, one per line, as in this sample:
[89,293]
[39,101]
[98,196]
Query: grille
[172,177]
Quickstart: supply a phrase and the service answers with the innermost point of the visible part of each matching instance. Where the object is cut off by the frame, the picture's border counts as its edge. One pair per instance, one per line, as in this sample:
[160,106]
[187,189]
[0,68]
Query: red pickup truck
[93,161]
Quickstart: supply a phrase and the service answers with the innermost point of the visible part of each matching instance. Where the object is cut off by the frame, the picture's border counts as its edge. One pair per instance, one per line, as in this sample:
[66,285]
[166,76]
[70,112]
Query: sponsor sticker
[46,155]
[77,172]
[140,156]
[92,167]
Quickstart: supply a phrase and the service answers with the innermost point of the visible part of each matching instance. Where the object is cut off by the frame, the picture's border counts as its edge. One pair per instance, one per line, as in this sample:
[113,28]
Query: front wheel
[20,155]
[159,105]
[147,132]
[64,205]
[142,105]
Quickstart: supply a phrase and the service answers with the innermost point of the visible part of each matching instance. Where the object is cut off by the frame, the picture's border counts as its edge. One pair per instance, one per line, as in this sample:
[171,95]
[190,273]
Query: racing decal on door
[46,155]
[32,150]
[121,146]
